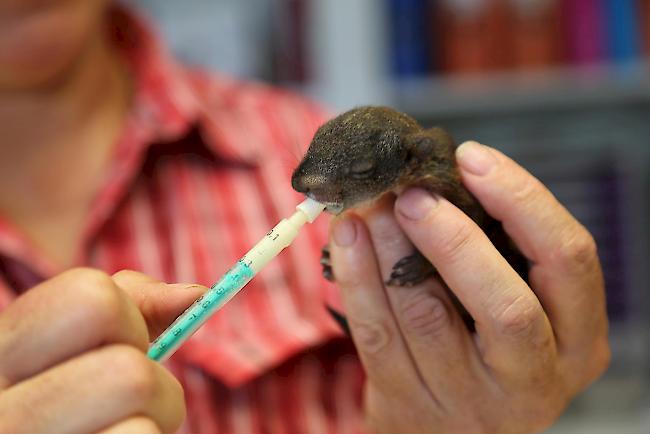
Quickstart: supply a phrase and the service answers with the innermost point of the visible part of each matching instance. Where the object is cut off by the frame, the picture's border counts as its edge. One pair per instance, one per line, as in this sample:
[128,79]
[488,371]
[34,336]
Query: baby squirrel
[369,151]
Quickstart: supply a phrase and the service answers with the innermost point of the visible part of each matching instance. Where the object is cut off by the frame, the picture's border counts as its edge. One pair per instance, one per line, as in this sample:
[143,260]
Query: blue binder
[410,32]
[622,30]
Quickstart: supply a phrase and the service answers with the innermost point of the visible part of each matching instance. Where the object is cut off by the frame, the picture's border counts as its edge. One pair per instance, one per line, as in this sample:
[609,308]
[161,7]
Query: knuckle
[371,337]
[555,405]
[580,249]
[472,424]
[98,295]
[89,276]
[601,358]
[527,192]
[456,242]
[604,357]
[424,314]
[137,373]
[103,306]
[143,425]
[518,318]
[125,273]
[542,420]
[18,417]
[533,413]
[346,277]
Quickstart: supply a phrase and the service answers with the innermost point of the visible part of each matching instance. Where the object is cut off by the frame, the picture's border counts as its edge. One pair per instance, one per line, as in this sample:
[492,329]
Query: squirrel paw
[325,262]
[340,319]
[411,270]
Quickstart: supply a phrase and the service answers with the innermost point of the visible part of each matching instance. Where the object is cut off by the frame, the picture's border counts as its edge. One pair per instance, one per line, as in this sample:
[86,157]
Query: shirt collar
[171,99]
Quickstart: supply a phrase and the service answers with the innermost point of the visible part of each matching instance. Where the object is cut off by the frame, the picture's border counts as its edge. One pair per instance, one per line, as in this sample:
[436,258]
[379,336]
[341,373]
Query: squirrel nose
[296,183]
[307,183]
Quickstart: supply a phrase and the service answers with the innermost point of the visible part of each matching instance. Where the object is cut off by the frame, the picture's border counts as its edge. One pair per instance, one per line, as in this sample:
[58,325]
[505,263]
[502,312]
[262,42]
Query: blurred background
[563,86]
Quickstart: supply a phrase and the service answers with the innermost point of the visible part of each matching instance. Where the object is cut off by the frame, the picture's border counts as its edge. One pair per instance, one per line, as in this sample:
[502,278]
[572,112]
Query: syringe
[233,281]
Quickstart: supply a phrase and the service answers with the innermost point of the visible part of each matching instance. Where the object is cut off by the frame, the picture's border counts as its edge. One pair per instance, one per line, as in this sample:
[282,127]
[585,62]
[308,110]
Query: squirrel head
[359,155]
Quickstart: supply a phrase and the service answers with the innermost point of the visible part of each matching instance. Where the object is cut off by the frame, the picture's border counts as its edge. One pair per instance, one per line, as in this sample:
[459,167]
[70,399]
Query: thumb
[160,303]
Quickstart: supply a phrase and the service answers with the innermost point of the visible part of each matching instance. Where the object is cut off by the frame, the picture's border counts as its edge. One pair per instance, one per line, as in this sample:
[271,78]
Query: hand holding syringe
[234,280]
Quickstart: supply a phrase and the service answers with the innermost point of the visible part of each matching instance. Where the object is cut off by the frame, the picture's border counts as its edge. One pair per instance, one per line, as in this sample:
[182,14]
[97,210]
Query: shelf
[513,91]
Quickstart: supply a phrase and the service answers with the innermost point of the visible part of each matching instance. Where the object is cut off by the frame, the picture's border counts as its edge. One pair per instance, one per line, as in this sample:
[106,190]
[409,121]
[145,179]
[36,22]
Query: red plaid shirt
[200,173]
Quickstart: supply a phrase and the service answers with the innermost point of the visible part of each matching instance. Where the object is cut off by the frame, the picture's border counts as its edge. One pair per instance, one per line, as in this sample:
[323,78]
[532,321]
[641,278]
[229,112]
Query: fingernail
[185,286]
[415,203]
[475,158]
[344,232]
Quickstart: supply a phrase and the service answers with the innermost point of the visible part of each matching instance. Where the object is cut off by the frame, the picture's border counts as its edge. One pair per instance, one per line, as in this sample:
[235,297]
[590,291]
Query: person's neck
[54,147]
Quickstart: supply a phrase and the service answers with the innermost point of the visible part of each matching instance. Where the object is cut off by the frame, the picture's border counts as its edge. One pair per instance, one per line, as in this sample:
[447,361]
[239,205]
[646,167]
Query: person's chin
[37,49]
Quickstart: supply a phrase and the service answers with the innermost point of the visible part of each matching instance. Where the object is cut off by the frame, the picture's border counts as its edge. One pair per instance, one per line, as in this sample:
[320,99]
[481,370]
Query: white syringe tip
[311,208]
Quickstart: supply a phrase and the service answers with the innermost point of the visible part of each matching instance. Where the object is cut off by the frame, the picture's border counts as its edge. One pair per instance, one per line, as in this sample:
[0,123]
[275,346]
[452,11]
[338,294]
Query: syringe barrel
[233,281]
[198,313]
[276,240]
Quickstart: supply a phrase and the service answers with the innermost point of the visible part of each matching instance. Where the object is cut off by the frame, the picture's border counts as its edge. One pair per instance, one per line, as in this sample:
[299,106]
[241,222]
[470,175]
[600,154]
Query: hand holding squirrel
[537,342]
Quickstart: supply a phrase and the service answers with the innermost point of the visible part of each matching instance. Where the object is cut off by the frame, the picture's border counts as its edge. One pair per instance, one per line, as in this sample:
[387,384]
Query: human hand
[536,345]
[72,356]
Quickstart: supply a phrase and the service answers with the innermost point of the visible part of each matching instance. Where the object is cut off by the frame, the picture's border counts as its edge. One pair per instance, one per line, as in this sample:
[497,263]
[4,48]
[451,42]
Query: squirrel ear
[420,145]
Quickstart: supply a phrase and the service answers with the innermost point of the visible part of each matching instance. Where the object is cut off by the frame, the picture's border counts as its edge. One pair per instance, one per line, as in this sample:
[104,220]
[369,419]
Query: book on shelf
[584,22]
[644,26]
[409,25]
[537,33]
[498,34]
[622,30]
[473,35]
[288,45]
[457,32]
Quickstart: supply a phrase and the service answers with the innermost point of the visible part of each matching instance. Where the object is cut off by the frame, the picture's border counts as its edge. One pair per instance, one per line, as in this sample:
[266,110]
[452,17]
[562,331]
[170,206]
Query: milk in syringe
[234,280]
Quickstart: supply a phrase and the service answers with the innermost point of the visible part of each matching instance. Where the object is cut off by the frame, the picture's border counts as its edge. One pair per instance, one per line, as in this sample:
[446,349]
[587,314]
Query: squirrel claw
[325,262]
[340,319]
[328,273]
[411,270]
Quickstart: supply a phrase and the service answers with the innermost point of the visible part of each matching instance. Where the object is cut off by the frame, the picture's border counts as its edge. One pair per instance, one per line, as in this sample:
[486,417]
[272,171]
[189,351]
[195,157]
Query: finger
[510,322]
[388,414]
[159,303]
[93,391]
[76,311]
[382,351]
[134,425]
[566,273]
[434,332]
